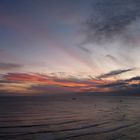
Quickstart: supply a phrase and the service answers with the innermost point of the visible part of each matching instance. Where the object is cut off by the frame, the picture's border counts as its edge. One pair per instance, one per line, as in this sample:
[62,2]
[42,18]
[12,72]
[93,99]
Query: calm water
[75,117]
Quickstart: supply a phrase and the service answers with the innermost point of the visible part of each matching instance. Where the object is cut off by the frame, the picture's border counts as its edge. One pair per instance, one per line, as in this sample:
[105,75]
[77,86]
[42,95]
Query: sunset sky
[64,46]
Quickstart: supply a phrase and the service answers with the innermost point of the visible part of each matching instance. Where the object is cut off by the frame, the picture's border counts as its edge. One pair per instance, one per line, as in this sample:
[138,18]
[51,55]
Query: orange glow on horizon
[37,83]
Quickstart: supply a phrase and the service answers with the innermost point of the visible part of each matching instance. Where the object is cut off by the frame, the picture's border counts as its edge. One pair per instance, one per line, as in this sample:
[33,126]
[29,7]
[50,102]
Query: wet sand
[70,117]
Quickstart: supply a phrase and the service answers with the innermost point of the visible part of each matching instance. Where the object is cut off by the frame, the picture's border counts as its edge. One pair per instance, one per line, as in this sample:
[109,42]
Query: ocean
[70,117]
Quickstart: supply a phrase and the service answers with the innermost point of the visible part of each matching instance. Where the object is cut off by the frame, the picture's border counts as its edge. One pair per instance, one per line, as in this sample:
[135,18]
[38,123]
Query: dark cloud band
[114,73]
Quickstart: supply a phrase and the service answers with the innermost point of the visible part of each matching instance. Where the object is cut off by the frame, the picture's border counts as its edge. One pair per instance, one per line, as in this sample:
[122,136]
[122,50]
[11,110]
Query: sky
[64,46]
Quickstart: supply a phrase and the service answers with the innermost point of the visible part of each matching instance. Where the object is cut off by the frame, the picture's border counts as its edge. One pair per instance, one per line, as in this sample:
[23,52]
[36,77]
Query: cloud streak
[9,66]
[114,73]
[85,49]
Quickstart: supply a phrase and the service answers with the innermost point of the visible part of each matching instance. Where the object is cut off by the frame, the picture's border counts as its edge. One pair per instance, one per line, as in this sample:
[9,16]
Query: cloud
[115,85]
[114,73]
[35,82]
[47,84]
[85,49]
[51,89]
[120,86]
[113,58]
[9,82]
[110,18]
[42,78]
[9,66]
[113,28]
[137,78]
